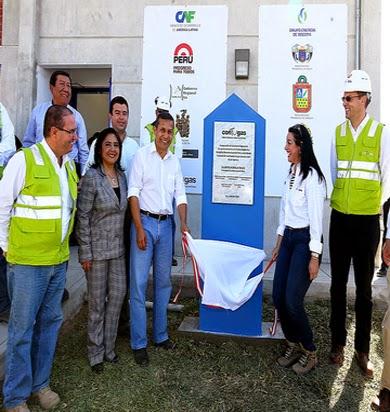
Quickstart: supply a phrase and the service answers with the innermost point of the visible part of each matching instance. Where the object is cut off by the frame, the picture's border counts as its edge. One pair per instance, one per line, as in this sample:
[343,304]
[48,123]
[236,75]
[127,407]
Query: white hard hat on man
[162,103]
[358,81]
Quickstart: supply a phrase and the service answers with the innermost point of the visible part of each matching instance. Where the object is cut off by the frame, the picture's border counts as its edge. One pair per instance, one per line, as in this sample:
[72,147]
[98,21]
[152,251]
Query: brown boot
[20,408]
[364,364]
[291,355]
[47,398]
[336,356]
[306,362]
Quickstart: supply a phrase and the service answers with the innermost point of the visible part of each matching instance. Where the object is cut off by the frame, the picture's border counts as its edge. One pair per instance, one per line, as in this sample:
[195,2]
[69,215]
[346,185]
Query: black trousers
[353,237]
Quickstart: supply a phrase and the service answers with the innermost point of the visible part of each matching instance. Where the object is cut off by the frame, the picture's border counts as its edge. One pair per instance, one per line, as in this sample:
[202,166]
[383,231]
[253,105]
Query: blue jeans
[291,282]
[4,299]
[159,253]
[35,319]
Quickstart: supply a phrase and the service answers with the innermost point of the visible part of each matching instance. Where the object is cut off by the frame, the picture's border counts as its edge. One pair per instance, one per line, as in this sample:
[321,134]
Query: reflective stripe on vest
[357,189]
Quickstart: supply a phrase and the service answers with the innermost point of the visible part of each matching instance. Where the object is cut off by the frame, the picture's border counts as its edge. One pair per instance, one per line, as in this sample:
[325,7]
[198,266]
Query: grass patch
[224,376]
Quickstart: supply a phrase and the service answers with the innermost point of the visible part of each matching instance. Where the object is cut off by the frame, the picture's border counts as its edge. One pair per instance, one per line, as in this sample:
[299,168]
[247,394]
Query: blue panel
[234,223]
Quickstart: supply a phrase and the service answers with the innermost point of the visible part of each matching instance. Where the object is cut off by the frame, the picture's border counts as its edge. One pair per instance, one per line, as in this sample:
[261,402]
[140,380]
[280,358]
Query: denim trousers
[291,282]
[4,299]
[35,319]
[159,254]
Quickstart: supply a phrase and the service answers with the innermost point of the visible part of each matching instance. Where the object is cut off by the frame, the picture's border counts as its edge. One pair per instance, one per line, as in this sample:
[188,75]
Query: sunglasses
[349,98]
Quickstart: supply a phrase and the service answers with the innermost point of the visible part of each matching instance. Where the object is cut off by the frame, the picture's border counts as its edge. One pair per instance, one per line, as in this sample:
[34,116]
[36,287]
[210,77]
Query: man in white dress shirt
[155,179]
[360,167]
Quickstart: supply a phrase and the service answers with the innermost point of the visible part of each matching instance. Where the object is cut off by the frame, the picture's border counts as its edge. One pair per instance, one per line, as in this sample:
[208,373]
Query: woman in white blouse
[298,248]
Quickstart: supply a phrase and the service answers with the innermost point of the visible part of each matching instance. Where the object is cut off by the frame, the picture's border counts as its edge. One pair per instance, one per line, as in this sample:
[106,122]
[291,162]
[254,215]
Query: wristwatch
[315,255]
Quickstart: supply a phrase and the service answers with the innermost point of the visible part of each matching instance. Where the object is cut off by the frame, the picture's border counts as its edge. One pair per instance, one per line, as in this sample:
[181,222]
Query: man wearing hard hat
[163,104]
[360,167]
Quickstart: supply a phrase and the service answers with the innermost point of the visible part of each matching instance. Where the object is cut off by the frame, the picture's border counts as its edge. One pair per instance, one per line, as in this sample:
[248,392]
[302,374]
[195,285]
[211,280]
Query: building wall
[43,34]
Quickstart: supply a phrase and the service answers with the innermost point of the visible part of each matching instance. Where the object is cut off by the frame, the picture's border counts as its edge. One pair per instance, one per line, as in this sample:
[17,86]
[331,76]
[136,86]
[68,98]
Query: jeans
[291,282]
[356,238]
[35,319]
[4,299]
[159,253]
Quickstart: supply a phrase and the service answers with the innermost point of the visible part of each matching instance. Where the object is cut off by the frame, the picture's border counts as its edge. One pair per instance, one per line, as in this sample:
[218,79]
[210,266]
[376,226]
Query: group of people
[56,185]
[41,198]
[360,168]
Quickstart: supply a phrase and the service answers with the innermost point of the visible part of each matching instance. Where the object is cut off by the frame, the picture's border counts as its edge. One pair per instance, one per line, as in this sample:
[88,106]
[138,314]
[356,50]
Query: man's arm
[136,217]
[7,143]
[385,164]
[83,151]
[10,186]
[30,136]
[182,209]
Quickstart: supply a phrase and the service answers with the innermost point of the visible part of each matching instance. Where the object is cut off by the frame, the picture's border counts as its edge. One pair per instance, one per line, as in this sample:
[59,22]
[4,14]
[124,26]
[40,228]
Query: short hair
[54,117]
[118,100]
[99,144]
[163,116]
[54,75]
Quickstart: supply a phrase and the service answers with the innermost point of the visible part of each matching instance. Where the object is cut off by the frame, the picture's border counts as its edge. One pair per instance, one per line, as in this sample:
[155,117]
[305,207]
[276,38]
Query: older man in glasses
[37,207]
[360,167]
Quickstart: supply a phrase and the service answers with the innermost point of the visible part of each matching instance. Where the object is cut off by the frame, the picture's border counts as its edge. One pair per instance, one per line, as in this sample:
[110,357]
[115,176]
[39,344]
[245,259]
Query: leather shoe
[364,364]
[174,262]
[115,359]
[382,402]
[165,344]
[98,367]
[336,356]
[141,357]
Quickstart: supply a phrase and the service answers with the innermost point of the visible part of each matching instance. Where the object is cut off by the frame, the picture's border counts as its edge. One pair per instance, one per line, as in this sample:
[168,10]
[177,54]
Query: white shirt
[384,161]
[156,181]
[13,182]
[303,206]
[129,147]
[7,137]
[145,140]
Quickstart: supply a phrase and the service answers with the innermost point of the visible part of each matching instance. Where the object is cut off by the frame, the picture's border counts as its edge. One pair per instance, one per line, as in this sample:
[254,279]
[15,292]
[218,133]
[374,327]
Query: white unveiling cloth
[224,268]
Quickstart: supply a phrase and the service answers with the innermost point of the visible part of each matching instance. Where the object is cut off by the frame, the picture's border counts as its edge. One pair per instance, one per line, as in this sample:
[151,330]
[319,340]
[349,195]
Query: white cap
[162,103]
[358,81]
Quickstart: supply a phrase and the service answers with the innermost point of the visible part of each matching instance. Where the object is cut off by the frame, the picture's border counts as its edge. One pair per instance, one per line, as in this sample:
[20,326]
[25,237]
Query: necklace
[113,178]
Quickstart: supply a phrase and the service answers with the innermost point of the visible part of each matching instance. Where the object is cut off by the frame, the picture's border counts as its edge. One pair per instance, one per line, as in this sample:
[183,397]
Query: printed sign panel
[233,167]
[184,59]
[302,67]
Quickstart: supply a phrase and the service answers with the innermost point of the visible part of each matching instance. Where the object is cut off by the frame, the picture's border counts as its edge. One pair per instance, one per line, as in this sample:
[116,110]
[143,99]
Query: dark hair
[163,116]
[54,75]
[118,100]
[303,139]
[54,117]
[99,144]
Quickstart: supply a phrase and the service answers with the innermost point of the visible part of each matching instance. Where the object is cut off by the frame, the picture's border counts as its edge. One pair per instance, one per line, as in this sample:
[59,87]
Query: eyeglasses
[349,98]
[72,132]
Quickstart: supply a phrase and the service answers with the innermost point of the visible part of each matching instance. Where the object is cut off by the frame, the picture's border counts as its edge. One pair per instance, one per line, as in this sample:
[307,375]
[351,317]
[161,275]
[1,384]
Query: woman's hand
[141,238]
[86,265]
[314,267]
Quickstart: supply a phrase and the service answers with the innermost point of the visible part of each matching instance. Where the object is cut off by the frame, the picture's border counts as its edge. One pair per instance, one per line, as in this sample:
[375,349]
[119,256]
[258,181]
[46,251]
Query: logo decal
[183,56]
[302,95]
[302,16]
[186,16]
[302,54]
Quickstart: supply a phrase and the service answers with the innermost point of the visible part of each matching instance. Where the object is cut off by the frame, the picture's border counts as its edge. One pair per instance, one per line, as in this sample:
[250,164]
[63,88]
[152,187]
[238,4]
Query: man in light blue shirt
[61,90]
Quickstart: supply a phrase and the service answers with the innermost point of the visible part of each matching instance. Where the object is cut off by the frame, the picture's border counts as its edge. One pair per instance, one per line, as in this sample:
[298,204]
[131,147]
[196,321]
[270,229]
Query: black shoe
[98,368]
[166,344]
[174,262]
[382,272]
[65,296]
[115,359]
[141,357]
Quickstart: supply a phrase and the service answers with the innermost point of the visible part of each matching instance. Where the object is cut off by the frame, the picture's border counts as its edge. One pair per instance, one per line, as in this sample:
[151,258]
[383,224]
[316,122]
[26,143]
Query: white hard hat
[162,103]
[358,81]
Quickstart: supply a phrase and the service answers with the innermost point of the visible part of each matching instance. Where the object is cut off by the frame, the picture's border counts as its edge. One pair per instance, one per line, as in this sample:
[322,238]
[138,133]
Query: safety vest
[36,224]
[150,128]
[357,189]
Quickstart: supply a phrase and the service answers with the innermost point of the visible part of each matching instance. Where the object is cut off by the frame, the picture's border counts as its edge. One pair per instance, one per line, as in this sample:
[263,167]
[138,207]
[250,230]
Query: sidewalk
[76,286]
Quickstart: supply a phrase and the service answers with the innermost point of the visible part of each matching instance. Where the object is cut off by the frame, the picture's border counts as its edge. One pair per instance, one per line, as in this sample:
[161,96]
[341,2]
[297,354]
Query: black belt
[154,215]
[296,228]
